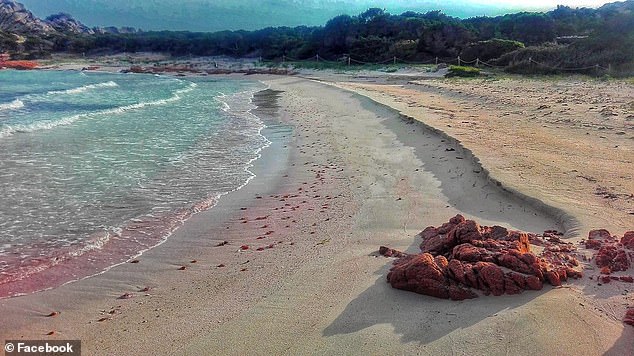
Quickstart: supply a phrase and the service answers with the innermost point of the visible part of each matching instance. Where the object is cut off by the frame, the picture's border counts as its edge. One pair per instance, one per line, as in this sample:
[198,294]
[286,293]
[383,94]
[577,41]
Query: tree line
[571,37]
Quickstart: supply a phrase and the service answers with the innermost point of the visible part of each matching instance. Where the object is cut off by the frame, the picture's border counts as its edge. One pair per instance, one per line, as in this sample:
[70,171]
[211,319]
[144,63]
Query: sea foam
[84,88]
[8,130]
[14,105]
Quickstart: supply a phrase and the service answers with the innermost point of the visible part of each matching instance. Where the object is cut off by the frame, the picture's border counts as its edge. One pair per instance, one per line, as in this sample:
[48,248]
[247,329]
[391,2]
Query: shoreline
[70,270]
[272,129]
[321,287]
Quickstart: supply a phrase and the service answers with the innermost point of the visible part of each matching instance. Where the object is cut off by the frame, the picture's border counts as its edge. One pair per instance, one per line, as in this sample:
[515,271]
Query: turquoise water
[95,168]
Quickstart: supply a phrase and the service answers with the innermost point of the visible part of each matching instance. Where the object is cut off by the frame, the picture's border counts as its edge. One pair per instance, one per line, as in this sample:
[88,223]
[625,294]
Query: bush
[462,71]
[491,49]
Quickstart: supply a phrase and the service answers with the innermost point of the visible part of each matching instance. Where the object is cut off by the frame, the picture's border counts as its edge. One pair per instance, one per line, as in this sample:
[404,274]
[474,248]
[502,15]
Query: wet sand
[343,176]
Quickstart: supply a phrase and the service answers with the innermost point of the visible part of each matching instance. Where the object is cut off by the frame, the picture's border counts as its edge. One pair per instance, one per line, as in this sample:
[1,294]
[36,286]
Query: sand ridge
[569,143]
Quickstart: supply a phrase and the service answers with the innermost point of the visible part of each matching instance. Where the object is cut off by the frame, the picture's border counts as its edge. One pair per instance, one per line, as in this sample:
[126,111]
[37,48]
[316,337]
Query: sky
[217,15]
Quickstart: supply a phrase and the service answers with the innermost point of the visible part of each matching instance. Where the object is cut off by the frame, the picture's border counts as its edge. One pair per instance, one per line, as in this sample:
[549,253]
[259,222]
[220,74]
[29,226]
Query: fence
[348,60]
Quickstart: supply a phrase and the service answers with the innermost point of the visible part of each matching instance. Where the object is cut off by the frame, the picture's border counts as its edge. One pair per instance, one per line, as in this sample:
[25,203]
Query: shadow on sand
[624,345]
[418,318]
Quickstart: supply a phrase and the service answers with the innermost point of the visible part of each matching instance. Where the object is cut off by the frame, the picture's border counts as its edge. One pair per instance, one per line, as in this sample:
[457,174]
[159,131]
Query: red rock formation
[20,65]
[614,255]
[388,252]
[628,240]
[461,255]
[422,274]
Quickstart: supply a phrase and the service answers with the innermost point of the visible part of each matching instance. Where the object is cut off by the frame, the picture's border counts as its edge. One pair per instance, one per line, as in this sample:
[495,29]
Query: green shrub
[491,49]
[462,71]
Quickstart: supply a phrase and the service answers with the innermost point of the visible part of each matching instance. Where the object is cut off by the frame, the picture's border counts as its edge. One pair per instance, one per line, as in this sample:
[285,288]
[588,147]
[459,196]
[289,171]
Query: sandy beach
[289,264]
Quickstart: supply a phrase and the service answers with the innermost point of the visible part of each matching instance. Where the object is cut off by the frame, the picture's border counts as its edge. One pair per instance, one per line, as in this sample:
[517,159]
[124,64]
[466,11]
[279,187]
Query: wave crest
[8,130]
[78,90]
[14,105]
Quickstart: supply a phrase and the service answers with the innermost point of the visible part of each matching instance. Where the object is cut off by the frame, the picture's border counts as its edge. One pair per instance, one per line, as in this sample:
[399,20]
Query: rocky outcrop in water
[461,256]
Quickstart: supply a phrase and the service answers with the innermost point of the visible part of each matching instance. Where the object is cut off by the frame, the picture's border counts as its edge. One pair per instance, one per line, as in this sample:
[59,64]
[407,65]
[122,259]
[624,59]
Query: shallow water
[96,168]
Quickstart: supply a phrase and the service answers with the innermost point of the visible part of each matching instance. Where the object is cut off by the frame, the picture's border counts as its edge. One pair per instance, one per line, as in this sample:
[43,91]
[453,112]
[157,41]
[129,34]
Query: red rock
[389,252]
[469,253]
[470,276]
[573,273]
[534,283]
[466,231]
[455,270]
[514,263]
[441,262]
[628,240]
[629,316]
[601,234]
[436,240]
[460,255]
[605,279]
[627,279]
[52,314]
[419,274]
[244,247]
[613,257]
[20,65]
[513,286]
[593,244]
[491,277]
[458,293]
[553,278]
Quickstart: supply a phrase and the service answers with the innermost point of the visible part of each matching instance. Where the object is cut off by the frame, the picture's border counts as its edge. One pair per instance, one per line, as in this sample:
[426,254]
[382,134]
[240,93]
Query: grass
[463,71]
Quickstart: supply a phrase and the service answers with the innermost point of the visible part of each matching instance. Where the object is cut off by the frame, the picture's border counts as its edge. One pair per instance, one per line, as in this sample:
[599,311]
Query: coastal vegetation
[463,71]
[575,39]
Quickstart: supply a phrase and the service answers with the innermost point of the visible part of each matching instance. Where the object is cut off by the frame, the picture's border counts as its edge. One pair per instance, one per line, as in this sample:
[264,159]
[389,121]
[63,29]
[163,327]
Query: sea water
[96,168]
